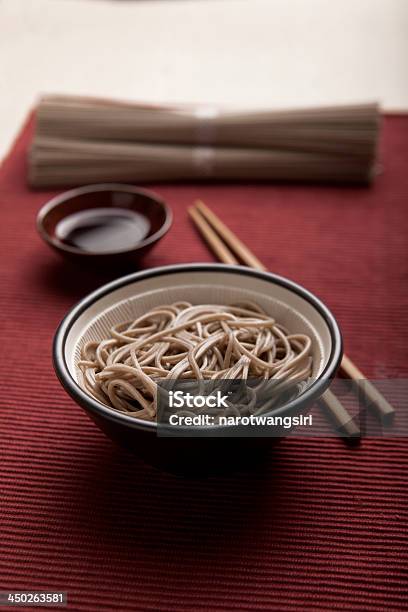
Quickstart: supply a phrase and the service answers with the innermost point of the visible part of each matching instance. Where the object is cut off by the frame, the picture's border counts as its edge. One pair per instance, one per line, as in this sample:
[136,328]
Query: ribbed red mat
[320,527]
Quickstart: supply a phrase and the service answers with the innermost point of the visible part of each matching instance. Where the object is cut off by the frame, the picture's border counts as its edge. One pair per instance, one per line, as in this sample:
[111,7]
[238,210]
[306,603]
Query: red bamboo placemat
[319,526]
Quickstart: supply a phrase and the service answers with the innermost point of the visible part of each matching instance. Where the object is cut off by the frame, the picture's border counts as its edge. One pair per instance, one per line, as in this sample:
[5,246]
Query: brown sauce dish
[109,224]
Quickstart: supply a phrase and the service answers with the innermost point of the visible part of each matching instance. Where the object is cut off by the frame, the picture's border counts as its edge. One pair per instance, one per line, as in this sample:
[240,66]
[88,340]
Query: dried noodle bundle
[84,140]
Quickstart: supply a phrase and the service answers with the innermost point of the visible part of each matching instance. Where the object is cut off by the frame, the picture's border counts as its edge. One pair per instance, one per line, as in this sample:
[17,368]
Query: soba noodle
[184,342]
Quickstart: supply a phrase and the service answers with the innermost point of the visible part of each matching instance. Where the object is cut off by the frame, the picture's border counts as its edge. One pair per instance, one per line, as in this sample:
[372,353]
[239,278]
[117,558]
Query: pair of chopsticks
[230,250]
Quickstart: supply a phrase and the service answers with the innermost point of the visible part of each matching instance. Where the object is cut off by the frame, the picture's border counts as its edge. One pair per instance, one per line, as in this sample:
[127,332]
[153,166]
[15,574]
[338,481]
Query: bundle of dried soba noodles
[84,140]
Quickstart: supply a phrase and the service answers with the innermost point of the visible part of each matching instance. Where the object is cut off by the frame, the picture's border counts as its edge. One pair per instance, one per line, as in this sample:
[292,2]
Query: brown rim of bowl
[66,195]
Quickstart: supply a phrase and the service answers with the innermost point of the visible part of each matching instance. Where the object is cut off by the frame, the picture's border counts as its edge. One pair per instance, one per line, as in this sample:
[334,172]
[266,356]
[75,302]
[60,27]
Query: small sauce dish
[110,224]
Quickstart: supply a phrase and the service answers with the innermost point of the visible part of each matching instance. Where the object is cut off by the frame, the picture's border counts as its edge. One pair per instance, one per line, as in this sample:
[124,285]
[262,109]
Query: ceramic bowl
[290,304]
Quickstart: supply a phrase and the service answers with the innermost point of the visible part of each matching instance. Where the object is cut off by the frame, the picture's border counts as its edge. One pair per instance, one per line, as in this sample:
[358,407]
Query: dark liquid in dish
[100,230]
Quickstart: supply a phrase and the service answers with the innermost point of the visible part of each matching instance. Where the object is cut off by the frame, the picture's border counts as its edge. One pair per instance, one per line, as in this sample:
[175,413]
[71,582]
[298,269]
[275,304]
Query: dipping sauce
[100,230]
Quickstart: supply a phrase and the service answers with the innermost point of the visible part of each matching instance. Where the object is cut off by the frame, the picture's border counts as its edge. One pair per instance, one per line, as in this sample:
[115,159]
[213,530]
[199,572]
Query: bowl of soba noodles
[198,367]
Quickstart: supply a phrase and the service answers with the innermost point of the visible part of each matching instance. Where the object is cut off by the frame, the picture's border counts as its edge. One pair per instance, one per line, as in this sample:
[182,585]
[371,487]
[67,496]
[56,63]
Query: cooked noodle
[184,342]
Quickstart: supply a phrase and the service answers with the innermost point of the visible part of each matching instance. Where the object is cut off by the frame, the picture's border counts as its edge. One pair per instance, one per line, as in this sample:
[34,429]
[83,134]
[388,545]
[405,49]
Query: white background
[263,53]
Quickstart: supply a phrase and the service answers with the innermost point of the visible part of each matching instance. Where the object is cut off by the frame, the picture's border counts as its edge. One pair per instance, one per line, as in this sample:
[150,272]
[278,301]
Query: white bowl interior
[198,287]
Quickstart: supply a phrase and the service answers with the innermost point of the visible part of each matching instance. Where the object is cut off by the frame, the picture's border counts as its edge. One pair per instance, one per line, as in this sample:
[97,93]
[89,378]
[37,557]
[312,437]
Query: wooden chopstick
[222,252]
[229,237]
[337,412]
[373,397]
[340,416]
[376,401]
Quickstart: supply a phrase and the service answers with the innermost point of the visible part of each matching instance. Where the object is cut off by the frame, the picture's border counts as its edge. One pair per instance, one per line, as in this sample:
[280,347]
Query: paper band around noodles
[185,342]
[203,160]
[206,129]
